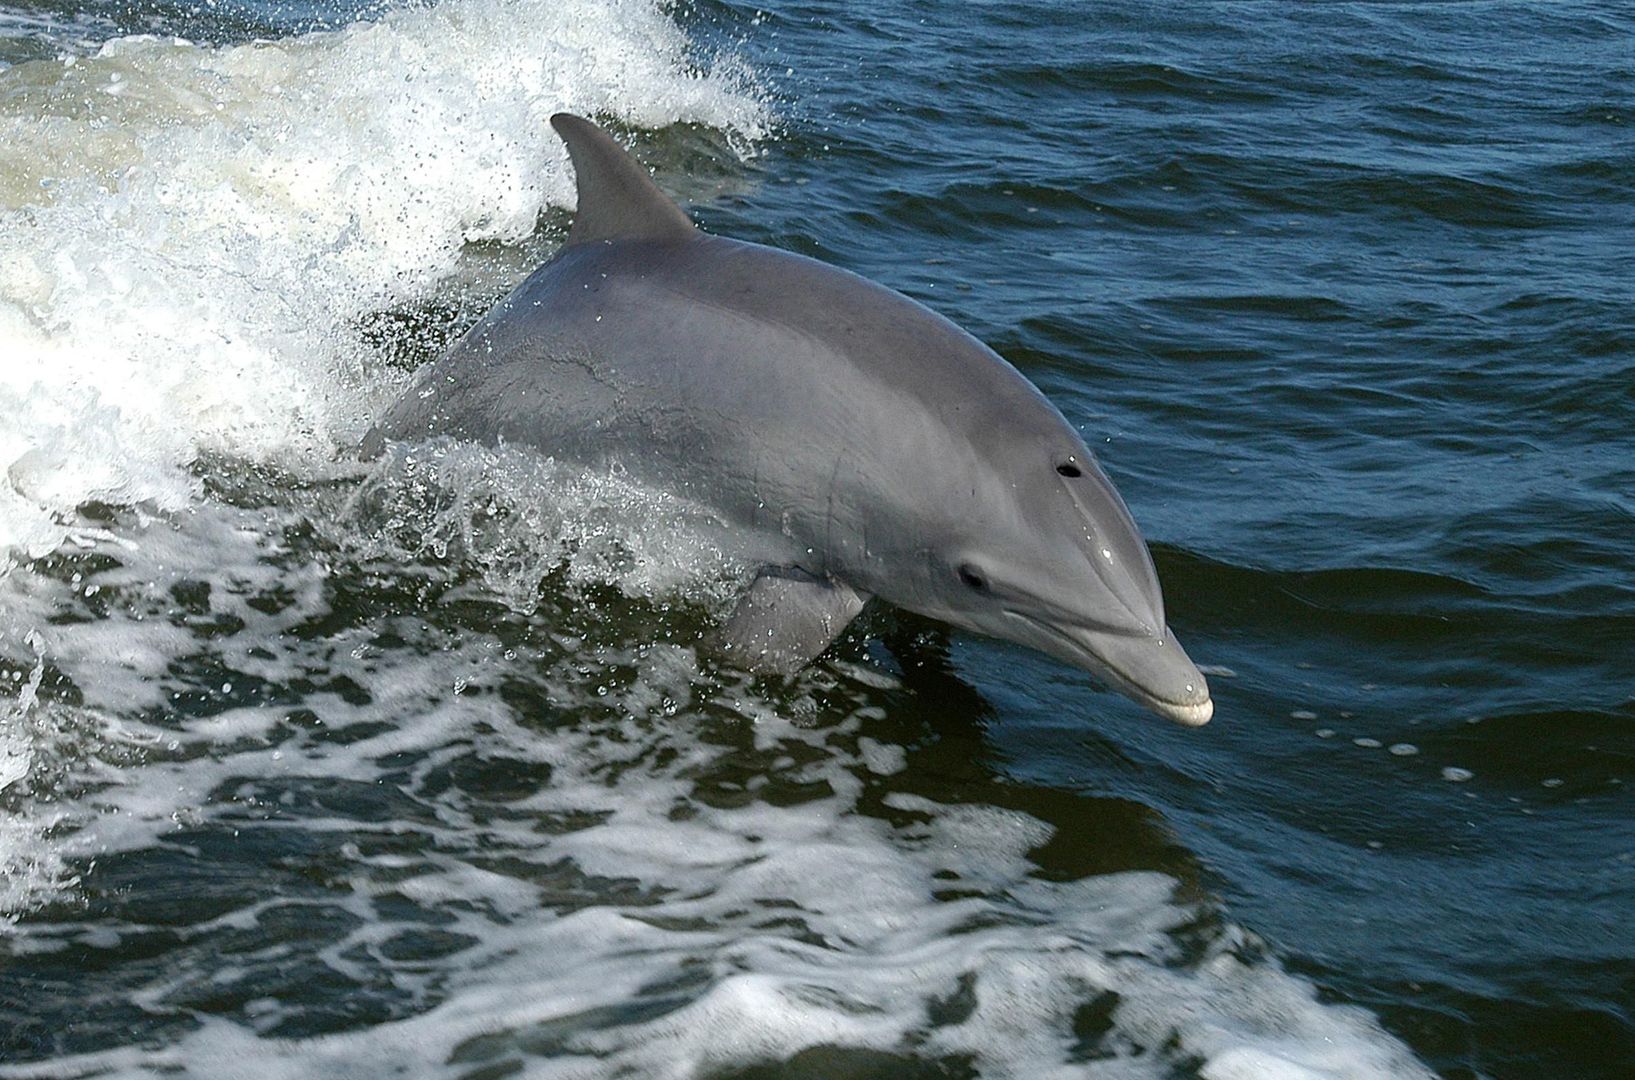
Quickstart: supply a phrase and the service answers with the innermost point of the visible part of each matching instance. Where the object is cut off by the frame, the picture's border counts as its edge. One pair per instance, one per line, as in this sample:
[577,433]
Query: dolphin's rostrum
[861,444]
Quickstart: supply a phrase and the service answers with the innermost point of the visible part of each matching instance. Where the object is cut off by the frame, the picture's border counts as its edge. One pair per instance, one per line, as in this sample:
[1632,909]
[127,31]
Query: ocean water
[316,768]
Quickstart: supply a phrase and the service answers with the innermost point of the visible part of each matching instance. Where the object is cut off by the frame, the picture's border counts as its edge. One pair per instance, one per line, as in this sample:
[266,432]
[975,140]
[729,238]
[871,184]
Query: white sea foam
[518,517]
[189,234]
[188,238]
[658,929]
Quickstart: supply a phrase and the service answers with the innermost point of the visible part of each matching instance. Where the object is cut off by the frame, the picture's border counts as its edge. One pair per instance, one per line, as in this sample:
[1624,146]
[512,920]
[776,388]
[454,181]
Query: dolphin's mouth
[1192,707]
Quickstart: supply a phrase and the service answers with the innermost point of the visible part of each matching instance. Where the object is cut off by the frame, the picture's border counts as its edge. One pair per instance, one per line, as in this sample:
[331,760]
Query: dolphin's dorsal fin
[617,199]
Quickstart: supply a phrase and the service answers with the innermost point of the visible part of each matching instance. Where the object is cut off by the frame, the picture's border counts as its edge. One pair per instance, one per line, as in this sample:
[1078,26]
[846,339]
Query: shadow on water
[942,718]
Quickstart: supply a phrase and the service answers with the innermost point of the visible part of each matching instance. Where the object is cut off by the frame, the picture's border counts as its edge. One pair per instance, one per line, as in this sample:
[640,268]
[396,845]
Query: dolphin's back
[699,361]
[679,356]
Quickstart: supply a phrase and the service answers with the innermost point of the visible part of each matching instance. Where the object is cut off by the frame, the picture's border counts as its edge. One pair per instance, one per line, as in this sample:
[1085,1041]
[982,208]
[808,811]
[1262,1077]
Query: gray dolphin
[860,444]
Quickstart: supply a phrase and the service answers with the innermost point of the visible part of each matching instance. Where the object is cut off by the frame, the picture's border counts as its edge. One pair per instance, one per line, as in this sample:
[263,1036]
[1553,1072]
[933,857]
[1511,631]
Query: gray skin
[858,443]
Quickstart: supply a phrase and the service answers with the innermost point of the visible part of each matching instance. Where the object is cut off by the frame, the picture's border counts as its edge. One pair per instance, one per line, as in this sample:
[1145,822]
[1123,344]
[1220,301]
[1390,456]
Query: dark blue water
[1343,295]
[1343,292]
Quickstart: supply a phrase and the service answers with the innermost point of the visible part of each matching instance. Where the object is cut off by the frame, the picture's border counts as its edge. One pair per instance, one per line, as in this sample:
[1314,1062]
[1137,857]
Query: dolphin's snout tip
[1151,669]
[1157,672]
[1195,705]
[1194,715]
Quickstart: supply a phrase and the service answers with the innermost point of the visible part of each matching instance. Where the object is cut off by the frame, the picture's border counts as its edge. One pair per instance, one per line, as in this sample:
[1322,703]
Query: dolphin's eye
[973,577]
[1070,467]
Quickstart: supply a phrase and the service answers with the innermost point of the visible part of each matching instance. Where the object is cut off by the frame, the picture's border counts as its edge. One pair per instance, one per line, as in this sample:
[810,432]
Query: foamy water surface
[315,767]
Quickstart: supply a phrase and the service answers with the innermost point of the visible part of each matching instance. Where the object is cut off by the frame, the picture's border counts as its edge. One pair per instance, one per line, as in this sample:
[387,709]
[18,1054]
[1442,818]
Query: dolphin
[860,444]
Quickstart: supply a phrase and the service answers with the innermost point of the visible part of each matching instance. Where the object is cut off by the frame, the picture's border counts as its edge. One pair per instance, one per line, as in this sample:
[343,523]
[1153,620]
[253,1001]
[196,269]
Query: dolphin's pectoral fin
[786,619]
